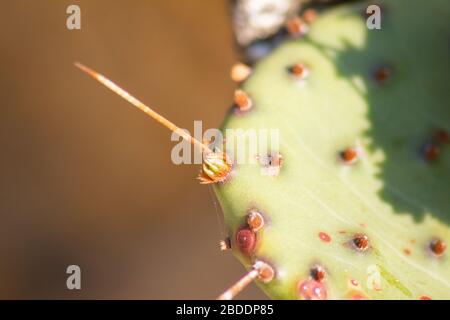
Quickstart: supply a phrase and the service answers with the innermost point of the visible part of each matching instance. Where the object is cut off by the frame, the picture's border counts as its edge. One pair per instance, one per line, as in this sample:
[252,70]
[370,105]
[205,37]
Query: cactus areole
[360,208]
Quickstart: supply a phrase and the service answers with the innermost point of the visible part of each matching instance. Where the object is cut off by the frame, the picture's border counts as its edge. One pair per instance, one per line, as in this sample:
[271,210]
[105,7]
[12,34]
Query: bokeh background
[85,178]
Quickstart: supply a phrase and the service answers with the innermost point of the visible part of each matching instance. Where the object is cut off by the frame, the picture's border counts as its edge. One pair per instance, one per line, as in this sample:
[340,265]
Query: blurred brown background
[85,178]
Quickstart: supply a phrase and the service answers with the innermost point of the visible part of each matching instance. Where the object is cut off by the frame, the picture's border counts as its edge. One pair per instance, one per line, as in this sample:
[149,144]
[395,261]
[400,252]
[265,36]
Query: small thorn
[350,155]
[382,74]
[225,244]
[318,273]
[255,220]
[361,242]
[240,72]
[242,100]
[296,27]
[299,71]
[431,152]
[438,247]
[260,270]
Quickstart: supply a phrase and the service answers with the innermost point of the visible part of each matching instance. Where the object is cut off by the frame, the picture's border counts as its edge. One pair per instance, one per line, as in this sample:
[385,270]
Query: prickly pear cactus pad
[360,205]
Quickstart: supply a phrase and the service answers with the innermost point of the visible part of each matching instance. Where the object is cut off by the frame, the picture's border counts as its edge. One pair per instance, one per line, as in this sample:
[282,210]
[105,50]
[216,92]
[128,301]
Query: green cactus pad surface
[376,228]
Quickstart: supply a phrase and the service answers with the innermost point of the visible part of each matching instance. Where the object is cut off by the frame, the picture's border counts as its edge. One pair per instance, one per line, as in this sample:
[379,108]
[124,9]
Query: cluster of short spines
[316,277]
